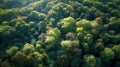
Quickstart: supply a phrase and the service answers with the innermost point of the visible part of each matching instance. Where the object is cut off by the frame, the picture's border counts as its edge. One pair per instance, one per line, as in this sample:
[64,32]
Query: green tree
[35,59]
[36,16]
[67,24]
[19,59]
[85,47]
[84,23]
[61,10]
[12,50]
[89,61]
[88,38]
[116,49]
[68,44]
[28,48]
[52,38]
[107,54]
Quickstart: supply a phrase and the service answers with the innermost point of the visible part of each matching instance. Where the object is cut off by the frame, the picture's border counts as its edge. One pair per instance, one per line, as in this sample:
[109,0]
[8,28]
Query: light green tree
[12,50]
[107,54]
[89,61]
[28,48]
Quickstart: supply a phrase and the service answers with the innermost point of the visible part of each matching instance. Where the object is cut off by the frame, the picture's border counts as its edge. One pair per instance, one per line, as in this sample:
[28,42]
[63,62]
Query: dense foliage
[59,33]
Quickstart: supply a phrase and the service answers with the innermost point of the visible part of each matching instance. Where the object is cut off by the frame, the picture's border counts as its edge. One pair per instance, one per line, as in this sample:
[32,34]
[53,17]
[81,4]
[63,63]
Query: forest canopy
[59,33]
